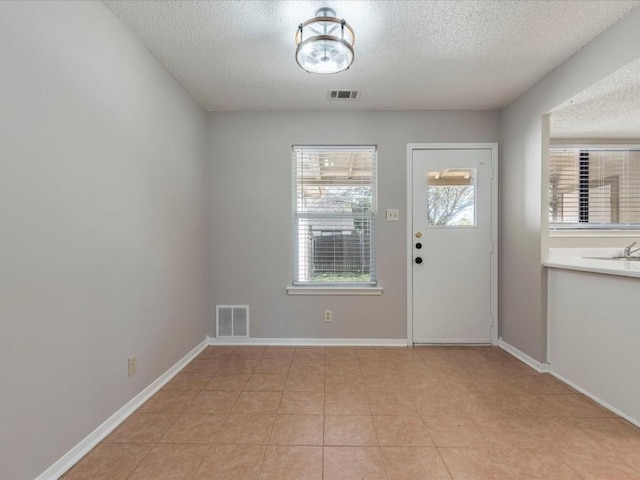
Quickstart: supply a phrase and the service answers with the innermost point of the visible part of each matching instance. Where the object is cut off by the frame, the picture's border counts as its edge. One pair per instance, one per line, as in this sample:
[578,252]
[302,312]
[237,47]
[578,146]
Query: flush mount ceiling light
[325,43]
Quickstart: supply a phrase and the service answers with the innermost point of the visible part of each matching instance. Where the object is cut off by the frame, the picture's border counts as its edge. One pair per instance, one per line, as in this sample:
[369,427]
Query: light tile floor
[263,413]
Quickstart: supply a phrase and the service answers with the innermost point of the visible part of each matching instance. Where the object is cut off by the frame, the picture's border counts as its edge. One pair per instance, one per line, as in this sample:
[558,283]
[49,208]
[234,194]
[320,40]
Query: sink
[626,259]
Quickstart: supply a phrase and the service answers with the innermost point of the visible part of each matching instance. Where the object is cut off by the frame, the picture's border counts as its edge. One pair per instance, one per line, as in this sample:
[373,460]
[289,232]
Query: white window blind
[594,188]
[334,205]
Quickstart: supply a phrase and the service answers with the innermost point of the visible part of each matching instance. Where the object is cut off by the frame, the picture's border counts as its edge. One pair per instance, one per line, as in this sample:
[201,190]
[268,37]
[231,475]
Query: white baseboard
[523,357]
[81,449]
[312,342]
[547,368]
[453,342]
[604,404]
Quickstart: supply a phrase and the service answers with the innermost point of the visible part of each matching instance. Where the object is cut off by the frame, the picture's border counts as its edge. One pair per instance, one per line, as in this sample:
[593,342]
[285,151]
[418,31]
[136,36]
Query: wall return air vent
[344,94]
[232,321]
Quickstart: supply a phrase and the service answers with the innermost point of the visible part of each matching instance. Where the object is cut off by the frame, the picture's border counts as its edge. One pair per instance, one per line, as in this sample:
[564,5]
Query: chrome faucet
[628,251]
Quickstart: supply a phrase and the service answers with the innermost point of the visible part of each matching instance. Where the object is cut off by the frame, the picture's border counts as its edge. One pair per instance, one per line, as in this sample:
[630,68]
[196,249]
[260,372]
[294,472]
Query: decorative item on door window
[451,198]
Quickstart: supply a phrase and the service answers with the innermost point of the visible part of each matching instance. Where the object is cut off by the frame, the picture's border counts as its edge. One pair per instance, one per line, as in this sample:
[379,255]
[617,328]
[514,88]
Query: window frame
[587,228]
[298,287]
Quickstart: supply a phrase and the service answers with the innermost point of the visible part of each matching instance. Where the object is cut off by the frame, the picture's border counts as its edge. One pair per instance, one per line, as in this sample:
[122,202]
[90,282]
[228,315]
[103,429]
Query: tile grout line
[375,429]
[567,413]
[195,470]
[264,453]
[324,411]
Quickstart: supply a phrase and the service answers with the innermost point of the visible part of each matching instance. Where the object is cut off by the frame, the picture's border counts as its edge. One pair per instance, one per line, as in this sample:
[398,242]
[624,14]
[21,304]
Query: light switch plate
[393,215]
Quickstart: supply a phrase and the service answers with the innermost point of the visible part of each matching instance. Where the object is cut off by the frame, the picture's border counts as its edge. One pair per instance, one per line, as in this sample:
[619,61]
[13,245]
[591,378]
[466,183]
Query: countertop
[578,259]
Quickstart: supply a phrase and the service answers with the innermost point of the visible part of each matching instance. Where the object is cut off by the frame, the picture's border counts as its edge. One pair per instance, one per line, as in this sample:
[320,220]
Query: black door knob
[418,245]
[418,260]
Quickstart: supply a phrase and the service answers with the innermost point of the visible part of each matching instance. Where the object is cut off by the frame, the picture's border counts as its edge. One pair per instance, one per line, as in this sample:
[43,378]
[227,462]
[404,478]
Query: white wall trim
[409,240]
[312,342]
[321,290]
[451,341]
[523,357]
[81,449]
[596,399]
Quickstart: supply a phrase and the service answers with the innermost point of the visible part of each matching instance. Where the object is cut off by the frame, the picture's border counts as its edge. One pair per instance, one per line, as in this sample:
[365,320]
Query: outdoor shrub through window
[594,187]
[334,205]
[451,199]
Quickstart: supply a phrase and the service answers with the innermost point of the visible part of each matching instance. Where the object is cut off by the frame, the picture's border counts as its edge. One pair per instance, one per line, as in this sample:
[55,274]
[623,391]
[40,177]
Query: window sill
[321,290]
[584,233]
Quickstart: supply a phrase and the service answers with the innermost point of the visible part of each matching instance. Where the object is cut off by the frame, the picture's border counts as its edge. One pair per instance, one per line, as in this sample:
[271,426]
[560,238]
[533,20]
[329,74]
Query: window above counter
[594,189]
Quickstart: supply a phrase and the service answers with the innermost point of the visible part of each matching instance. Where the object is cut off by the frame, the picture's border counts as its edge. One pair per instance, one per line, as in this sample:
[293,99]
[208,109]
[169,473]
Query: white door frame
[494,227]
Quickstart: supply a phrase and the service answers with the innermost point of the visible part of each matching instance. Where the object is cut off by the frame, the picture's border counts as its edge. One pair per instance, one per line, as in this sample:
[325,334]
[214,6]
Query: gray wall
[523,229]
[104,185]
[250,217]
[102,207]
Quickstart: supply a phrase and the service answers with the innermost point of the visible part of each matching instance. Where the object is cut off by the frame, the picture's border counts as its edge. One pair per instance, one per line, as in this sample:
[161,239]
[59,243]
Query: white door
[452,244]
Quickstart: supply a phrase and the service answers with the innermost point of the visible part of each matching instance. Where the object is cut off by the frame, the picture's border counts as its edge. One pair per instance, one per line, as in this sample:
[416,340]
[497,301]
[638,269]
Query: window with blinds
[594,188]
[334,206]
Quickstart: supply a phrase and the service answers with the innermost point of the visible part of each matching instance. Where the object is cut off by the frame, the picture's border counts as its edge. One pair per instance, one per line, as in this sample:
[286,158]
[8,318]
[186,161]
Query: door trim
[494,227]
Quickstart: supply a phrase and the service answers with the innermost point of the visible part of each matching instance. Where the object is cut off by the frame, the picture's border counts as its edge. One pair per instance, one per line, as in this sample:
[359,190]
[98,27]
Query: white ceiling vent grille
[344,94]
[232,321]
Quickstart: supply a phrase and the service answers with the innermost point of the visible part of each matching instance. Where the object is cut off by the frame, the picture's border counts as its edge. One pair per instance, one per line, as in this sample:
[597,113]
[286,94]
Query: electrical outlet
[328,316]
[133,365]
[393,215]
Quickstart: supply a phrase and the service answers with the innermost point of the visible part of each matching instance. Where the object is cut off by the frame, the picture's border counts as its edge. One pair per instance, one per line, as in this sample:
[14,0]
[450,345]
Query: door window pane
[451,197]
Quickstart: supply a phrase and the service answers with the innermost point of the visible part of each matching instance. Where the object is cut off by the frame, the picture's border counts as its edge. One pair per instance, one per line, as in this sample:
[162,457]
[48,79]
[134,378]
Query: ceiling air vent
[344,94]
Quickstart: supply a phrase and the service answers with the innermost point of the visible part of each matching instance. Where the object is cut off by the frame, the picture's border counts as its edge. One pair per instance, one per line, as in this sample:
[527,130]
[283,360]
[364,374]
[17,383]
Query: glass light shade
[324,56]
[325,44]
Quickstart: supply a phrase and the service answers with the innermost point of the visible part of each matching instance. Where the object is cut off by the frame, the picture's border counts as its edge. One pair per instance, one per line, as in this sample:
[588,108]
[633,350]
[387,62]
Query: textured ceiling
[608,109]
[239,55]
